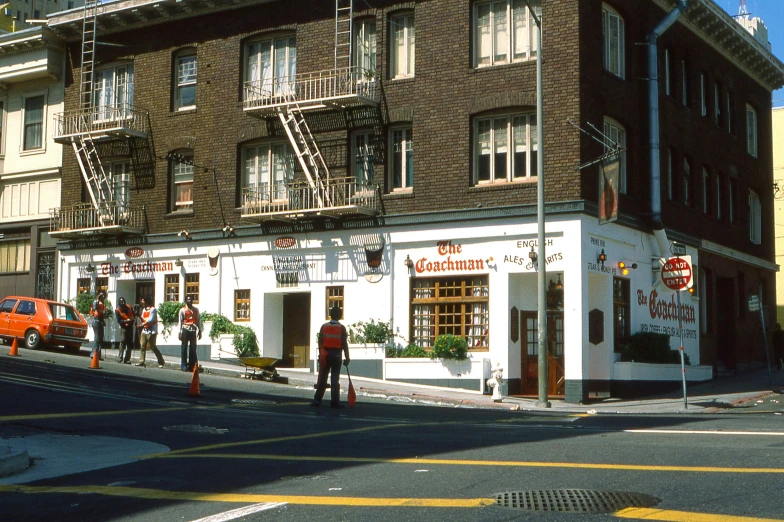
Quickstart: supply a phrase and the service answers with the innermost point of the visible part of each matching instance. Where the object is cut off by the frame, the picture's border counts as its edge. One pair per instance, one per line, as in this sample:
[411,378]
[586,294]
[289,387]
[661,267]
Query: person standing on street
[778,346]
[98,314]
[125,318]
[333,340]
[190,328]
[149,332]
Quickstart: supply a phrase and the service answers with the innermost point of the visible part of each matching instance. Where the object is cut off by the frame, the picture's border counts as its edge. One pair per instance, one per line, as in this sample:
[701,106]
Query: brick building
[255,157]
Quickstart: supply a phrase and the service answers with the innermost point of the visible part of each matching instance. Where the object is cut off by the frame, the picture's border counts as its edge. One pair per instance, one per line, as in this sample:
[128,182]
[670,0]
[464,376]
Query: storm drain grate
[573,500]
[252,401]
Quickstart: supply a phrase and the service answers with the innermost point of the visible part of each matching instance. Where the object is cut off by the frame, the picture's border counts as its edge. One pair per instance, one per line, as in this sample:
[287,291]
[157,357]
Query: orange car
[39,321]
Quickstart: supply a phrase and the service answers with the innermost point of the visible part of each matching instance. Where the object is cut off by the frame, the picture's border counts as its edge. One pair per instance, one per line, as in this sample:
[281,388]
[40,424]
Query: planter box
[469,374]
[223,348]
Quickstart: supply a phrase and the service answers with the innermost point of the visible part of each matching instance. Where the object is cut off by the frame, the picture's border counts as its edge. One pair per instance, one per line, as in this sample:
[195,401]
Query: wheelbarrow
[265,366]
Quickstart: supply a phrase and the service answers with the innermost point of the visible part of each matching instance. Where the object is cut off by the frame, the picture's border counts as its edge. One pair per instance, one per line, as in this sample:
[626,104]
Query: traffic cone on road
[14,348]
[194,392]
[94,365]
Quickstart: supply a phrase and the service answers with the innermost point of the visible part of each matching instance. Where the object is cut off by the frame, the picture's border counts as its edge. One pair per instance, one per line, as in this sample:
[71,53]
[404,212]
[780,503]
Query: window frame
[121,188]
[275,84]
[403,158]
[23,147]
[21,247]
[621,311]
[101,285]
[365,51]
[192,286]
[730,111]
[614,65]
[718,196]
[529,33]
[613,130]
[366,173]
[752,121]
[718,116]
[83,285]
[189,81]
[530,146]
[685,92]
[171,288]
[118,107]
[706,196]
[703,95]
[733,201]
[242,305]
[406,68]
[668,90]
[688,192]
[755,218]
[267,186]
[671,192]
[334,296]
[187,155]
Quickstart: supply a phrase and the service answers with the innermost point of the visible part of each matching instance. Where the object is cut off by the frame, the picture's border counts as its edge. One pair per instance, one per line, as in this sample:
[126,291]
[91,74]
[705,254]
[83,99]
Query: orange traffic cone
[14,348]
[194,392]
[94,363]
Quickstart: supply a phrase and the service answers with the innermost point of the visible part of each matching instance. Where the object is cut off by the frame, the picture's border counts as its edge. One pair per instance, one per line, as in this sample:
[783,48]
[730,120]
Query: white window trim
[531,33]
[409,45]
[272,192]
[684,83]
[686,181]
[730,121]
[44,130]
[369,153]
[703,96]
[361,28]
[716,104]
[530,146]
[755,218]
[182,206]
[399,157]
[667,73]
[114,109]
[180,56]
[619,67]
[612,126]
[751,131]
[275,86]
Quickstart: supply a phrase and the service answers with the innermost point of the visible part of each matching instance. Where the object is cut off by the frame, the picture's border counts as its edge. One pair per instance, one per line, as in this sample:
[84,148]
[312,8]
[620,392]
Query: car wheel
[32,339]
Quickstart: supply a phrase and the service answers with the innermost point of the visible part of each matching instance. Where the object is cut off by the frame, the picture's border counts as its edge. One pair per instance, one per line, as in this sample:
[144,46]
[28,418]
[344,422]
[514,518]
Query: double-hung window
[755,218]
[120,173]
[687,192]
[186,69]
[363,152]
[270,67]
[685,83]
[717,115]
[668,72]
[751,131]
[403,42]
[615,137]
[182,182]
[365,49]
[113,92]
[614,49]
[505,148]
[703,95]
[15,256]
[33,123]
[267,167]
[172,288]
[504,32]
[402,157]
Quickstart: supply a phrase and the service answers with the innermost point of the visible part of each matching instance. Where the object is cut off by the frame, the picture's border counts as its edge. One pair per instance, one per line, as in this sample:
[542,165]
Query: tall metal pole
[541,300]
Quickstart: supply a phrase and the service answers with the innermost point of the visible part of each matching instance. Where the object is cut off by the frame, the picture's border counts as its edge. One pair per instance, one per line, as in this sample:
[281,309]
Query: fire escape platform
[84,220]
[101,123]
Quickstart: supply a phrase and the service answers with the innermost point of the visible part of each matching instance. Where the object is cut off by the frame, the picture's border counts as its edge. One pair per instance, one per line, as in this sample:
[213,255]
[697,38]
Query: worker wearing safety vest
[149,335]
[98,315]
[332,340]
[124,315]
[190,328]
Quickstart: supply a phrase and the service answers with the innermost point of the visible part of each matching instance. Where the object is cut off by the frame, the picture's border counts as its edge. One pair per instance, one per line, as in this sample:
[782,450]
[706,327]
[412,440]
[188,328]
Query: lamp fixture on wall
[184,233]
[178,262]
[532,254]
[624,267]
[559,284]
[228,229]
[408,262]
[602,258]
[89,268]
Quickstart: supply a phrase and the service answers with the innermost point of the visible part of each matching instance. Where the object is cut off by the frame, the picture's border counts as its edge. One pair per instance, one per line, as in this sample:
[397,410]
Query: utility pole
[541,265]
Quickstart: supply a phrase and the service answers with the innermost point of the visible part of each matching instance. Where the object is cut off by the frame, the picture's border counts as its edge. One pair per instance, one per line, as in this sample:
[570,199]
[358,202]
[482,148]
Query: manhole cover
[573,500]
[252,401]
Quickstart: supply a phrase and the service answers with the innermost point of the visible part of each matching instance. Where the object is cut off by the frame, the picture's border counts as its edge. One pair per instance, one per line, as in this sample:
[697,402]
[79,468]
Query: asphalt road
[127,443]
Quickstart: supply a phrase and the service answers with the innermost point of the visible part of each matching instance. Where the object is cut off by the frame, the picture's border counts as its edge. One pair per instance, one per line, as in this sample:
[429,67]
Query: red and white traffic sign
[676,273]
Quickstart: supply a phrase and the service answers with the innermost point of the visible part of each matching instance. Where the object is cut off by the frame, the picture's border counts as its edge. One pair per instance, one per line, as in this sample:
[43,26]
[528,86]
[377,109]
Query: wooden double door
[529,340]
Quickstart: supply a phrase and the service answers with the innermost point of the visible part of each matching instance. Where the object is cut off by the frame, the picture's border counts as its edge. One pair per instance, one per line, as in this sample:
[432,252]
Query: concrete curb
[13,459]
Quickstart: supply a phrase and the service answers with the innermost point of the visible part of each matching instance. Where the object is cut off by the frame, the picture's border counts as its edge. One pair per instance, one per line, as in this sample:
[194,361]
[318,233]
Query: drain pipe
[653,118]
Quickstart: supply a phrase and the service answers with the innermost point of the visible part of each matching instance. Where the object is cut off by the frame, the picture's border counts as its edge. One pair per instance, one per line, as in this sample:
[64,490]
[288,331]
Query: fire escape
[94,127]
[314,191]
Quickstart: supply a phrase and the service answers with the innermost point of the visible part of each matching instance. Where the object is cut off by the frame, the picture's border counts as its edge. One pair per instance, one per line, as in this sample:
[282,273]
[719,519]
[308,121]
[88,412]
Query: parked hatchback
[40,321]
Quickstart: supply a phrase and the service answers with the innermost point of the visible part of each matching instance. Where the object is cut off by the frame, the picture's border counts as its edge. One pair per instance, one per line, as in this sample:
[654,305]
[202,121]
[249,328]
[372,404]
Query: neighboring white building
[778,180]
[31,90]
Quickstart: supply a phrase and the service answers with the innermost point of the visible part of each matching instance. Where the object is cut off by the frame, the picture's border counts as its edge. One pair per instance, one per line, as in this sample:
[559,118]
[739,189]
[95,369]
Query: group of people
[139,326]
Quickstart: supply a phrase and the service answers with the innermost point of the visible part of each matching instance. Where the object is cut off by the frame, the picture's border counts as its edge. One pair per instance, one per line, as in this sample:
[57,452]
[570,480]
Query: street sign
[754,303]
[676,273]
[678,249]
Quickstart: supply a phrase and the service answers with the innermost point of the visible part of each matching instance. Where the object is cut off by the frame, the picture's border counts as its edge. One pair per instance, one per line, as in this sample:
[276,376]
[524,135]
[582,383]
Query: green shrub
[245,341]
[168,315]
[220,325]
[83,302]
[448,346]
[371,332]
[649,347]
[411,350]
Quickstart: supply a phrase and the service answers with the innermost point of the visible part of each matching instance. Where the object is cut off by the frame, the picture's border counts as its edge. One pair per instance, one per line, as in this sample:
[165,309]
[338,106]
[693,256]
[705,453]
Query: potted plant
[168,316]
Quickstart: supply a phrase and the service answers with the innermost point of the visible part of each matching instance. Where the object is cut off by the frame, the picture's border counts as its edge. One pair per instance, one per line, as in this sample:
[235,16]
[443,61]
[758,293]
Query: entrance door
[530,356]
[145,289]
[296,331]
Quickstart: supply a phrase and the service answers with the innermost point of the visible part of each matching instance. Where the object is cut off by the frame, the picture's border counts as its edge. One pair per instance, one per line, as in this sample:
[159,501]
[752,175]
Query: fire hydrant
[496,382]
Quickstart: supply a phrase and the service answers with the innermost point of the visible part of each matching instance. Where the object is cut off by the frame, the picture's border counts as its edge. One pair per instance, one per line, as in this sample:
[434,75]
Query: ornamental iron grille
[44,282]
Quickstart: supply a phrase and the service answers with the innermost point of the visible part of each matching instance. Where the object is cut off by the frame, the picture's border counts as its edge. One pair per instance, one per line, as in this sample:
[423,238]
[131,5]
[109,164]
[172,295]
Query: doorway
[555,353]
[296,331]
[145,289]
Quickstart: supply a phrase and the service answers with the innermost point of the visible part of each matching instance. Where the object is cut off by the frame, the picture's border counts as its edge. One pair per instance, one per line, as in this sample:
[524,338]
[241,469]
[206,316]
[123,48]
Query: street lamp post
[541,300]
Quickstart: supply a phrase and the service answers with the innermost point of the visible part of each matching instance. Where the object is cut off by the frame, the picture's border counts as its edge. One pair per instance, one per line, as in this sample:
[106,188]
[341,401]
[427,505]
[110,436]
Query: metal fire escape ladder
[306,150]
[98,184]
[344,33]
[88,55]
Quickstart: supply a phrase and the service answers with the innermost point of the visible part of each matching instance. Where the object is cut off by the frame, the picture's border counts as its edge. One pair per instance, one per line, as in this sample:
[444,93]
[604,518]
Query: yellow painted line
[153,494]
[667,515]
[39,416]
[493,463]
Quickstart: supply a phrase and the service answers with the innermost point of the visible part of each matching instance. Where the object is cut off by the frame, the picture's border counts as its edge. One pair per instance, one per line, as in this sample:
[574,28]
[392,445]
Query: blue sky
[772,13]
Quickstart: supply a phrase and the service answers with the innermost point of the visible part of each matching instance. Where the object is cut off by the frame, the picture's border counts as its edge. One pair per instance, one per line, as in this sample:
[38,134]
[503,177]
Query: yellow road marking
[498,463]
[38,416]
[666,515]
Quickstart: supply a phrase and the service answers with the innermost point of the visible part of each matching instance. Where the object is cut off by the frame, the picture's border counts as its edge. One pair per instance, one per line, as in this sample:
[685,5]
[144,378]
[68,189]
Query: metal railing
[104,118]
[341,195]
[85,217]
[306,88]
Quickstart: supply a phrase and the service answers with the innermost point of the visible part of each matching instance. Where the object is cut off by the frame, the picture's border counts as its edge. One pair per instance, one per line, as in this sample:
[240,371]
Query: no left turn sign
[676,273]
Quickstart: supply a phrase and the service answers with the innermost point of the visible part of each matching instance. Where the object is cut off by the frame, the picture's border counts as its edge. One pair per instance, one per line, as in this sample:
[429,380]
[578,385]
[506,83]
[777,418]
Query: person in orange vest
[98,314]
[125,318]
[190,328]
[149,332]
[333,340]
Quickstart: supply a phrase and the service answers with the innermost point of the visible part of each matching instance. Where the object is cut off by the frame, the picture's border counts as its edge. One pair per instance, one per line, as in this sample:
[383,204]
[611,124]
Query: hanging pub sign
[134,252]
[285,242]
[609,174]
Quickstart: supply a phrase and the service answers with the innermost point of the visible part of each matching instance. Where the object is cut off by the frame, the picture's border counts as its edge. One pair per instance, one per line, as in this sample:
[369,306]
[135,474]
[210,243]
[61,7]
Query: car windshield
[63,312]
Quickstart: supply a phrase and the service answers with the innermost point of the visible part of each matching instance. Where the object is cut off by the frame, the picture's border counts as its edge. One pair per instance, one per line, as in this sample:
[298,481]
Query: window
[718,118]
[621,311]
[494,162]
[266,169]
[613,55]
[365,49]
[672,187]
[363,152]
[504,32]
[2,127]
[185,89]
[15,256]
[733,195]
[751,130]
[403,44]
[668,73]
[687,191]
[7,306]
[742,294]
[718,196]
[242,305]
[172,288]
[33,123]
[192,287]
[113,92]
[402,158]
[453,305]
[102,285]
[120,172]
[25,308]
[685,83]
[706,196]
[731,112]
[270,67]
[182,182]
[334,298]
[755,218]
[616,137]
[703,96]
[83,285]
